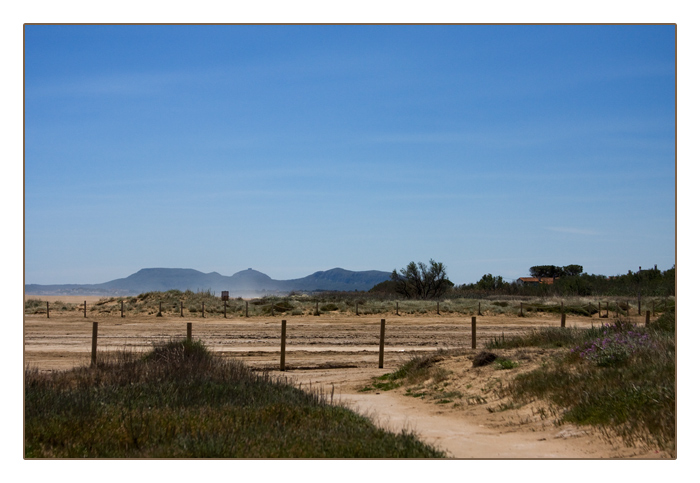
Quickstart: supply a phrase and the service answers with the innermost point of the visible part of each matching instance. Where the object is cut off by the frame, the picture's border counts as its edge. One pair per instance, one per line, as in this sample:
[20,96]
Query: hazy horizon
[293,149]
[225,274]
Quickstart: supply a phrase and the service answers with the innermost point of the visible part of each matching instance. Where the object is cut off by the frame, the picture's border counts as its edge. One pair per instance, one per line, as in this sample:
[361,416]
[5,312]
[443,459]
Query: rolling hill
[244,283]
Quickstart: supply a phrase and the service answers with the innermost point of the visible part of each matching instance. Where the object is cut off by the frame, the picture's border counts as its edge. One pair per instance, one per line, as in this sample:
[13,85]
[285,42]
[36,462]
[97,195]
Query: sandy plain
[339,354]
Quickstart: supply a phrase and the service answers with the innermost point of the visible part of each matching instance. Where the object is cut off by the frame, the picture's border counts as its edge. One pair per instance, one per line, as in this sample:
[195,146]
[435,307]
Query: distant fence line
[602,310]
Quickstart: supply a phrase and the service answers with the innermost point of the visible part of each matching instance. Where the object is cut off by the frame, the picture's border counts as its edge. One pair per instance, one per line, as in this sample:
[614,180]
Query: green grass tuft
[502,363]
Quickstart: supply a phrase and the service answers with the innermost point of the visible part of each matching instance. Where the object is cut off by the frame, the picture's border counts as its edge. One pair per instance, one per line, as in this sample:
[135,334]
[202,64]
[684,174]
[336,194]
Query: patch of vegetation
[416,370]
[454,301]
[665,323]
[181,401]
[420,368]
[502,363]
[483,359]
[34,306]
[586,310]
[619,378]
[548,338]
[377,384]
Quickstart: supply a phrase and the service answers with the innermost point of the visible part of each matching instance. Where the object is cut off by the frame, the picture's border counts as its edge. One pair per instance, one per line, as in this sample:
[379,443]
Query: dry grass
[181,401]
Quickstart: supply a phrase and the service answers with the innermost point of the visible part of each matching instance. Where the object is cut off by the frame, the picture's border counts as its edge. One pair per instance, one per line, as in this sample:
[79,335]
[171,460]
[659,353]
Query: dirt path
[462,434]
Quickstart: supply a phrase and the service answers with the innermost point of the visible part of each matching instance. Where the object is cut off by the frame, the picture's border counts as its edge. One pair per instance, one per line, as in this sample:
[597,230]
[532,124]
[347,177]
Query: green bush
[502,363]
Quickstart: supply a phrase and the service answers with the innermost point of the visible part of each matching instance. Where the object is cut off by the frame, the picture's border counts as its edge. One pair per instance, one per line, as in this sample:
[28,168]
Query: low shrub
[502,363]
[483,359]
[665,323]
[617,377]
[614,347]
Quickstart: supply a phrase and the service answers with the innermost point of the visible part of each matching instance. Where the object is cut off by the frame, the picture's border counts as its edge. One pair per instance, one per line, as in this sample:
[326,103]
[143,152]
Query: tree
[421,281]
[552,271]
[572,270]
[489,282]
[540,271]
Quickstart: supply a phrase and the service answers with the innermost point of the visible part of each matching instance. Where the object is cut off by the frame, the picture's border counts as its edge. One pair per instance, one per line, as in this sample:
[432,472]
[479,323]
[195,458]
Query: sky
[296,148]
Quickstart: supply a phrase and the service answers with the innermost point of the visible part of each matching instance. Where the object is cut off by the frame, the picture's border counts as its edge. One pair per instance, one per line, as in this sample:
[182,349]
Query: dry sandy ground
[339,354]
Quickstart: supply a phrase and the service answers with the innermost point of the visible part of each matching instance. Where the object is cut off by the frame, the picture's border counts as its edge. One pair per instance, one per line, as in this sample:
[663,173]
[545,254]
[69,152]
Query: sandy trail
[461,434]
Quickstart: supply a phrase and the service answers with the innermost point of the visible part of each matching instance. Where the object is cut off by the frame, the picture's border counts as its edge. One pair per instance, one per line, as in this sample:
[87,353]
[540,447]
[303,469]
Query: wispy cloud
[572,231]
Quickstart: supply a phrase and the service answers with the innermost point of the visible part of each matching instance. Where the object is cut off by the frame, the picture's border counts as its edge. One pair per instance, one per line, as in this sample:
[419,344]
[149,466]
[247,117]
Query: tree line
[430,281]
[652,282]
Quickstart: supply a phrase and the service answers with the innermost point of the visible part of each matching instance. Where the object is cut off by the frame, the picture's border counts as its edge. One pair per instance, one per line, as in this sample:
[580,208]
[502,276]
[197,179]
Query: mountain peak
[243,283]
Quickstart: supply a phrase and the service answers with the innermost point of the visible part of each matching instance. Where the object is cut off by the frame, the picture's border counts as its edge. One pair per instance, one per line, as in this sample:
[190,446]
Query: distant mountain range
[246,283]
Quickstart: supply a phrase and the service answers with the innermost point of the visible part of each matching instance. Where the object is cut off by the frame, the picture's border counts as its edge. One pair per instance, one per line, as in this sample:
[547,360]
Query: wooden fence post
[246,308]
[607,309]
[160,309]
[181,312]
[224,309]
[639,304]
[356,310]
[284,341]
[93,359]
[202,309]
[189,331]
[85,309]
[599,314]
[381,343]
[122,309]
[646,322]
[438,307]
[47,309]
[317,312]
[563,319]
[473,332]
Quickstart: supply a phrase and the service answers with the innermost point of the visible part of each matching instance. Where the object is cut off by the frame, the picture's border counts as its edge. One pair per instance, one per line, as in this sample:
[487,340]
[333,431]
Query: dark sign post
[382,330]
[224,297]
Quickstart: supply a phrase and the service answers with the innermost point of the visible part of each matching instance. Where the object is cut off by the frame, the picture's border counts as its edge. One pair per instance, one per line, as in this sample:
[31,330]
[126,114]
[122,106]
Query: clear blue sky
[292,149]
